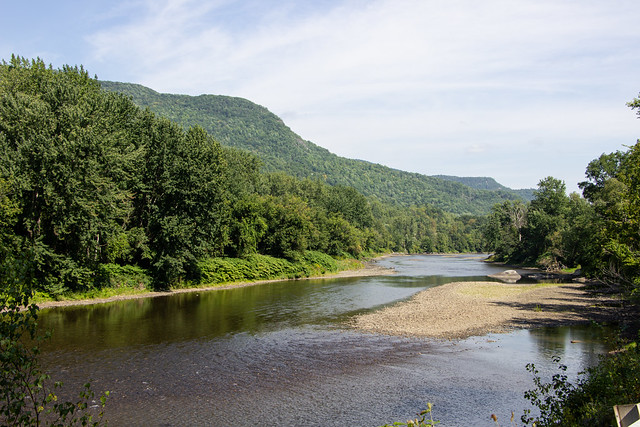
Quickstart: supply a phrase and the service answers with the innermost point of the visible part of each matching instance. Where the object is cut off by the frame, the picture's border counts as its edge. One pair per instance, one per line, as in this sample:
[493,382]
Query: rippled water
[279,354]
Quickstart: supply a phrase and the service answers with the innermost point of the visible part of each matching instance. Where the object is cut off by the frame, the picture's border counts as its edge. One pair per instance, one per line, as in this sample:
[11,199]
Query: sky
[517,90]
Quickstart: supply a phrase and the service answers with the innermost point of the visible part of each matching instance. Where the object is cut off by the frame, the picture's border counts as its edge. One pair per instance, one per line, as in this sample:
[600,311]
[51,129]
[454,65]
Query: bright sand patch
[463,309]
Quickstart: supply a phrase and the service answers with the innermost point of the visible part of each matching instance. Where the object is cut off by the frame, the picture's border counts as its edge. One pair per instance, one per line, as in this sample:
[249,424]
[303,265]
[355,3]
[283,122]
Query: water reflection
[278,354]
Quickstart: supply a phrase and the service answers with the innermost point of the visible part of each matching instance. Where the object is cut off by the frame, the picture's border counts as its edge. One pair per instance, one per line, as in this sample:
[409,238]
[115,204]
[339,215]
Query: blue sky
[513,89]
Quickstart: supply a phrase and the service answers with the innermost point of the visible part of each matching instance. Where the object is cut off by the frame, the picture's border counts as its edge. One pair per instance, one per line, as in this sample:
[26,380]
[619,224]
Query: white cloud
[460,77]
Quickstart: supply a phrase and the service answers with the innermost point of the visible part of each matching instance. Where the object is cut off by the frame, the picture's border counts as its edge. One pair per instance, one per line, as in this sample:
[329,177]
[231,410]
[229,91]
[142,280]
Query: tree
[582,239]
[289,226]
[598,172]
[546,220]
[183,204]
[65,148]
[503,228]
[622,222]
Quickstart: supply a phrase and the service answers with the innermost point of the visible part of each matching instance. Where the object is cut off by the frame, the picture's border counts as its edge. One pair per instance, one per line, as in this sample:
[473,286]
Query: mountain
[240,123]
[487,183]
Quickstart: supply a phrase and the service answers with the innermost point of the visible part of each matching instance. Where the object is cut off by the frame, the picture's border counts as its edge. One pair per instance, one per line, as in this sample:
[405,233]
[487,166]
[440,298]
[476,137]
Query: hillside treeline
[91,184]
[600,232]
[240,123]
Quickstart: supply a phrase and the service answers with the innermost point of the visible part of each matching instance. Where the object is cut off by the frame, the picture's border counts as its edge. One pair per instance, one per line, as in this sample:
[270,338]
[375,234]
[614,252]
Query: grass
[40,297]
[349,264]
[570,270]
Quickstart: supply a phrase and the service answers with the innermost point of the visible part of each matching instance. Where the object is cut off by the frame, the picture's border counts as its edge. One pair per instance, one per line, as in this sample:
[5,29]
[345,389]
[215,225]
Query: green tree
[598,172]
[622,222]
[183,203]
[504,227]
[582,239]
[546,219]
[248,227]
[289,226]
[64,147]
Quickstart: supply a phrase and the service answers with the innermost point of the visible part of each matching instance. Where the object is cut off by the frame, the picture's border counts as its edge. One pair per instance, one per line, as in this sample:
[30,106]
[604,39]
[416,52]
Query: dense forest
[237,122]
[486,183]
[598,232]
[96,191]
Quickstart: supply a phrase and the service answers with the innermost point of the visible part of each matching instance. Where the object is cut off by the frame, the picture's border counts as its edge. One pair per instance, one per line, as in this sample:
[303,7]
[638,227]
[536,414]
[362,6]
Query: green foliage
[548,397]
[420,421]
[27,396]
[598,172]
[504,227]
[65,153]
[119,276]
[97,180]
[184,201]
[583,237]
[552,231]
[614,381]
[261,267]
[239,123]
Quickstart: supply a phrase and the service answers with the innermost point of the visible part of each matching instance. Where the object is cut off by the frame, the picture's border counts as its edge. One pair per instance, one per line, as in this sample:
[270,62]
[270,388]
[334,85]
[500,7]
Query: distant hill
[240,123]
[486,183]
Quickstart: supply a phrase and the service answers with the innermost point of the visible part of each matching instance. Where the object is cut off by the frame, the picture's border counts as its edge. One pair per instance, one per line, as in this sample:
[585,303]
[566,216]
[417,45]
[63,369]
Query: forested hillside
[487,183]
[96,192]
[237,122]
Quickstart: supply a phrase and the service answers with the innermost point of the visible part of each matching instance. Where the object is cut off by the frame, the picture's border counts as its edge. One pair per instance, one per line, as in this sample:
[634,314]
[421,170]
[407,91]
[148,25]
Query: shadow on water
[279,354]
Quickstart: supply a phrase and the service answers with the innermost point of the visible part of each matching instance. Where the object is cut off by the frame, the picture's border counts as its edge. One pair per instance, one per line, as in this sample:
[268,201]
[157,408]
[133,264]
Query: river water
[279,354]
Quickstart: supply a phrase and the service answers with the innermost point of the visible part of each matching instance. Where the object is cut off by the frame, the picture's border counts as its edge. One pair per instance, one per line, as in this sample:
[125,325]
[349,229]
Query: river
[279,354]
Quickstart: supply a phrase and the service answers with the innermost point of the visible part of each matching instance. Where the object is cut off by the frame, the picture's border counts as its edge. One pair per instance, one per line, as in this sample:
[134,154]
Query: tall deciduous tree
[65,149]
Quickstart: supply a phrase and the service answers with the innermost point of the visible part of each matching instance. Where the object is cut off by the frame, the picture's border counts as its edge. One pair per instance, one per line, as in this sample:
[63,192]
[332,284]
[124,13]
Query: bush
[122,276]
[26,394]
[321,262]
[614,381]
[264,267]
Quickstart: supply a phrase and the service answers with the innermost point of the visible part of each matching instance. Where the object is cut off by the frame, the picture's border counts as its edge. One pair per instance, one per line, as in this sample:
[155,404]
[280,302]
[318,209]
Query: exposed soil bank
[369,269]
[464,309]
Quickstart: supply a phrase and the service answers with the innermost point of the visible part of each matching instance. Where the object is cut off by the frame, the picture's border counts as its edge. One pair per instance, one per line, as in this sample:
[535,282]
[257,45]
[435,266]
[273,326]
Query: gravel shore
[464,309]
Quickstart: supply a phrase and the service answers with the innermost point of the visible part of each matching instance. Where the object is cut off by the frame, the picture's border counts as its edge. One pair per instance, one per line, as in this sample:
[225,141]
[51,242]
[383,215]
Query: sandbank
[463,309]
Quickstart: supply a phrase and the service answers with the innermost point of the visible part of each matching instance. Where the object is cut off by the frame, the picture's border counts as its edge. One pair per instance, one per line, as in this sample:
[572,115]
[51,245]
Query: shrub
[122,276]
[26,395]
[264,267]
[614,381]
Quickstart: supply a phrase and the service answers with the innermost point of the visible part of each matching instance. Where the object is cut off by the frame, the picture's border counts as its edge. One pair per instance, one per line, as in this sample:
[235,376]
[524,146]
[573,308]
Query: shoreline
[461,310]
[369,269]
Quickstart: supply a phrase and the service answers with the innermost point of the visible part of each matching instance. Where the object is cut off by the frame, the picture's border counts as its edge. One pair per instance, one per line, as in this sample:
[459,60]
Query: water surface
[279,354]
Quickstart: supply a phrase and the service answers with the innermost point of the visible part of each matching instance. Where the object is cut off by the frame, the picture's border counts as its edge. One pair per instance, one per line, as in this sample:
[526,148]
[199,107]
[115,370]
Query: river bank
[463,309]
[367,269]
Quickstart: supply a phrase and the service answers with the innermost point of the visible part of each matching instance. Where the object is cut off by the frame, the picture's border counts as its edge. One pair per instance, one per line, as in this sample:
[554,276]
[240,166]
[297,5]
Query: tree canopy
[598,232]
[91,183]
[237,122]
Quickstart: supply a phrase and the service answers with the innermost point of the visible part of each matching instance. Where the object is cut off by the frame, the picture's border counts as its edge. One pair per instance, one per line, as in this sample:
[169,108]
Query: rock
[507,276]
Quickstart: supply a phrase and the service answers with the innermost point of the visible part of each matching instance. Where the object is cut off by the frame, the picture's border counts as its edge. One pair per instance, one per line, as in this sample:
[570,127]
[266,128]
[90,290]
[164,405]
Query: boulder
[507,276]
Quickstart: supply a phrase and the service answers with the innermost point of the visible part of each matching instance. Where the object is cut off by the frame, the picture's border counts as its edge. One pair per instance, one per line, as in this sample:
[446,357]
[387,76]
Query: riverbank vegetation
[96,192]
[598,233]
